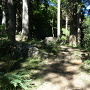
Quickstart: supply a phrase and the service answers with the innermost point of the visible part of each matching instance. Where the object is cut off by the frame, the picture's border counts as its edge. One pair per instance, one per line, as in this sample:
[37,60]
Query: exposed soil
[63,71]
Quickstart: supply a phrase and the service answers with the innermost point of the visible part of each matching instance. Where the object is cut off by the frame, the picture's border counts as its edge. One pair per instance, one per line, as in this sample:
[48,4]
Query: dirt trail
[63,71]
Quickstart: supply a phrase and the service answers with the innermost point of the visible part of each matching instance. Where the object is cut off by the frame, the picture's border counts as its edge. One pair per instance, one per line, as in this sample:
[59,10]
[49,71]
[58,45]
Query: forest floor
[63,71]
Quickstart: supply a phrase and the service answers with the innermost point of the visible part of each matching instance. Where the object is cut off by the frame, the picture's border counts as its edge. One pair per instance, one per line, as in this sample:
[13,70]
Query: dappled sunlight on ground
[65,80]
[59,71]
[65,75]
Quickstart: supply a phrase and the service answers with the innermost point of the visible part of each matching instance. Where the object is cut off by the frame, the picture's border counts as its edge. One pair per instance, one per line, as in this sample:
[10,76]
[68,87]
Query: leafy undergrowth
[14,81]
[21,73]
[21,77]
[86,66]
[17,73]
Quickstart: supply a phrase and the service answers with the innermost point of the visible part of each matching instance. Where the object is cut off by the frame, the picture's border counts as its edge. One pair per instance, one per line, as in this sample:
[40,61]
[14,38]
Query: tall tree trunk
[79,29]
[3,18]
[12,24]
[66,22]
[52,24]
[58,20]
[30,20]
[72,39]
[73,28]
[25,20]
[18,16]
[0,12]
[82,33]
[3,13]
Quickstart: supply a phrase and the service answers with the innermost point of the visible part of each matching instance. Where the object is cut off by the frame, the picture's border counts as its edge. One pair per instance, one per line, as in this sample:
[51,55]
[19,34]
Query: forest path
[63,72]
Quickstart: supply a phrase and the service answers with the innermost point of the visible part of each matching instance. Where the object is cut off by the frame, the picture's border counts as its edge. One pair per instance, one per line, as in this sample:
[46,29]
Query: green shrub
[14,81]
[3,33]
[65,32]
[65,36]
[7,49]
[86,25]
[86,65]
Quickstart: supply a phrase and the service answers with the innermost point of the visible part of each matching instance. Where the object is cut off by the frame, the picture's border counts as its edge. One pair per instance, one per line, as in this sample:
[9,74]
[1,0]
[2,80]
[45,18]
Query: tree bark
[3,18]
[12,24]
[3,13]
[66,22]
[25,20]
[18,9]
[52,24]
[58,20]
[73,28]
[82,33]
[79,29]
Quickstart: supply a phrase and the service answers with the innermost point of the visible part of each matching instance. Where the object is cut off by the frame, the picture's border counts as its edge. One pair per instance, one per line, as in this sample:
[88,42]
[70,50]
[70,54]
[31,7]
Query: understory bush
[3,33]
[7,49]
[86,25]
[65,36]
[86,65]
[14,81]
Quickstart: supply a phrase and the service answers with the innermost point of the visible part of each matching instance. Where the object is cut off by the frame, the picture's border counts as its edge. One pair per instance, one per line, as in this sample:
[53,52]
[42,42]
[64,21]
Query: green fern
[13,81]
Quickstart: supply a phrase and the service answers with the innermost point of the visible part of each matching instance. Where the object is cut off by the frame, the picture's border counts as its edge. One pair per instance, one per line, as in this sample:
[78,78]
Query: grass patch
[34,63]
[86,66]
[23,77]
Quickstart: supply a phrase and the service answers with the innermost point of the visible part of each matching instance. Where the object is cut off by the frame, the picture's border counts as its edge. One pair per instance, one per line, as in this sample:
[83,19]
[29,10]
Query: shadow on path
[57,74]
